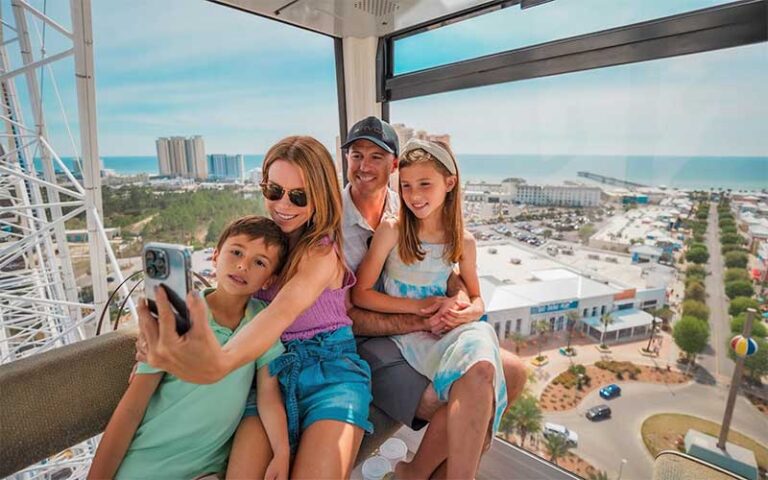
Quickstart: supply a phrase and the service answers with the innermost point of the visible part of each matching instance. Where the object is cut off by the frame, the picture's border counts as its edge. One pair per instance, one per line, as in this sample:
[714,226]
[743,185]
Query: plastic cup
[394,450]
[375,468]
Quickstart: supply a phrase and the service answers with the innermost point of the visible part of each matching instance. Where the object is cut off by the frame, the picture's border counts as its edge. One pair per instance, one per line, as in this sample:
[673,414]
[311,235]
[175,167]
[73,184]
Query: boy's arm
[122,426]
[272,415]
[364,293]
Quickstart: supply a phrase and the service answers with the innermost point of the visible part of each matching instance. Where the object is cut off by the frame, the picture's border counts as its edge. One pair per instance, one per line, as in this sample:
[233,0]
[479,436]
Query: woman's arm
[197,357]
[272,414]
[364,294]
[122,426]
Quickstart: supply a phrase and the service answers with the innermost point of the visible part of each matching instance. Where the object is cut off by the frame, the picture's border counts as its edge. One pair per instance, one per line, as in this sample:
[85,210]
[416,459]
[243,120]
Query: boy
[167,428]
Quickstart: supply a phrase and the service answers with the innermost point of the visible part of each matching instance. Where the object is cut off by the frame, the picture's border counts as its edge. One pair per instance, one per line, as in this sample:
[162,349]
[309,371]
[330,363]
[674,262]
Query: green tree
[525,416]
[557,446]
[586,231]
[733,274]
[519,340]
[731,239]
[664,313]
[758,328]
[725,249]
[739,288]
[696,271]
[541,327]
[729,230]
[741,304]
[691,336]
[696,291]
[756,366]
[697,255]
[693,308]
[736,260]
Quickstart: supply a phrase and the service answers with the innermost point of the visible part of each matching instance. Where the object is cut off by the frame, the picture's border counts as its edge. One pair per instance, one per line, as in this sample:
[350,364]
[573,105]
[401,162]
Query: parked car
[599,412]
[561,430]
[610,391]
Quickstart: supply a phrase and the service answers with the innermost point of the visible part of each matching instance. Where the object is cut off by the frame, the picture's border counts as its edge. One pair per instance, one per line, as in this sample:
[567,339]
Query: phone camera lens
[150,256]
[151,271]
[160,263]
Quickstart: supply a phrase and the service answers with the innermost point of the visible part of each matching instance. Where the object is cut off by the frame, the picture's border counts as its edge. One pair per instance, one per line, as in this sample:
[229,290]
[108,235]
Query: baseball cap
[374,130]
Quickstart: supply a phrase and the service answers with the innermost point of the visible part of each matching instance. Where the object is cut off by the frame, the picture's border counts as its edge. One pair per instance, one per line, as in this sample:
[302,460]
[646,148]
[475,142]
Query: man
[398,390]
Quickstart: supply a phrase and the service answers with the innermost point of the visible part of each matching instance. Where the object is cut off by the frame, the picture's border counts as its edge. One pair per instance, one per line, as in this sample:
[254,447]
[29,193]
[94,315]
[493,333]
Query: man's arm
[377,324]
[456,286]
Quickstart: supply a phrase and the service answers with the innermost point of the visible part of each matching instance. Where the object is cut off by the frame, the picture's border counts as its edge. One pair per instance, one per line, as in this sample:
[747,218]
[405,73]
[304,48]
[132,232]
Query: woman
[302,196]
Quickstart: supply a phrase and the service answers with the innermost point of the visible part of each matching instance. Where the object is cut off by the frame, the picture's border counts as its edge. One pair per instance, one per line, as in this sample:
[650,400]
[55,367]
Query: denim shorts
[322,378]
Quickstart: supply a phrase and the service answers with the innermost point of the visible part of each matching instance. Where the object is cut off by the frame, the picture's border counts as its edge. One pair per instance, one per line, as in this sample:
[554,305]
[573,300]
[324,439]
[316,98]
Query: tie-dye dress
[443,359]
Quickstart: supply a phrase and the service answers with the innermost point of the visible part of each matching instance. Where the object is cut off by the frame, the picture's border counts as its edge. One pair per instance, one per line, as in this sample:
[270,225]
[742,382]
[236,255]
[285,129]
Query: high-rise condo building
[182,157]
[226,167]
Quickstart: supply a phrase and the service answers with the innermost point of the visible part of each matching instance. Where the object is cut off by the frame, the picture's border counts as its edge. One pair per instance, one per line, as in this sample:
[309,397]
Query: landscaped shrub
[731,239]
[570,377]
[696,291]
[616,367]
[697,255]
[736,260]
[692,308]
[758,328]
[739,288]
[741,304]
[728,230]
[732,248]
[734,274]
[696,271]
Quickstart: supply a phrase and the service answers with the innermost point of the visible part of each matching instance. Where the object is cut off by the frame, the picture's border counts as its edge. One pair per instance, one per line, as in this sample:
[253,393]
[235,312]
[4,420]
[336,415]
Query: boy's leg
[396,387]
[432,451]
[327,449]
[251,452]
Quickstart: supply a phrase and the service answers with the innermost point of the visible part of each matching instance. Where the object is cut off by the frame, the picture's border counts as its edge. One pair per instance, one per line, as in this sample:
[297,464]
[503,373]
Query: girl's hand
[462,312]
[278,468]
[196,356]
[427,306]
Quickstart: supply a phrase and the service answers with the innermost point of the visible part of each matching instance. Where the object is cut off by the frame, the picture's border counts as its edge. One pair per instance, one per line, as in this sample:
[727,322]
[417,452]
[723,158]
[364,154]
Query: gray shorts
[396,387]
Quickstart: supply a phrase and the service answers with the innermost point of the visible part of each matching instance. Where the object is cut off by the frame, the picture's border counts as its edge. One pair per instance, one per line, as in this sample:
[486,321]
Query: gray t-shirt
[357,233]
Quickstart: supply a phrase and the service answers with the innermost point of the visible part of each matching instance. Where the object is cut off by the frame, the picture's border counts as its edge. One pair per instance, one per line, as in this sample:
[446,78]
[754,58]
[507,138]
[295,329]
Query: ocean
[737,173]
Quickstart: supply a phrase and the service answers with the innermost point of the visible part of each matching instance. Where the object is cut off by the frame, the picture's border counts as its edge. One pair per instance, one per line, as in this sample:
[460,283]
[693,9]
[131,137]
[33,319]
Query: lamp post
[621,467]
[743,346]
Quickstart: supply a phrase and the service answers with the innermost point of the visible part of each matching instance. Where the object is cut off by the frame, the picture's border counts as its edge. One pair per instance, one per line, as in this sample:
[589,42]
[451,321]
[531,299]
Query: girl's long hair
[322,187]
[409,245]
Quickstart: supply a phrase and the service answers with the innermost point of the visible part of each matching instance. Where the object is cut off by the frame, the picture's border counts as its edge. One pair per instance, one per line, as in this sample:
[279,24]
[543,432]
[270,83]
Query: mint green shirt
[187,429]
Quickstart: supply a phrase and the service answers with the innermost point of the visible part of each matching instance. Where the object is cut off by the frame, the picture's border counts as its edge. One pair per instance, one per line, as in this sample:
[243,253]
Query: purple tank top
[329,312]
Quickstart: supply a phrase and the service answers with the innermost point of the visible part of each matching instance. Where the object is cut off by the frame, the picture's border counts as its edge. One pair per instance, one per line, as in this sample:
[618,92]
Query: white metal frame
[39,303]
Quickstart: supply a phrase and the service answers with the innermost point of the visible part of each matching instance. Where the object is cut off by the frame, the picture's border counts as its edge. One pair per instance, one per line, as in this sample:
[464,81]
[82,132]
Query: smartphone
[169,267]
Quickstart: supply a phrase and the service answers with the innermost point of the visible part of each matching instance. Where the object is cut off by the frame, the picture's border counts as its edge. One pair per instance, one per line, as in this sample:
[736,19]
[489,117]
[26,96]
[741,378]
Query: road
[714,359]
[605,443]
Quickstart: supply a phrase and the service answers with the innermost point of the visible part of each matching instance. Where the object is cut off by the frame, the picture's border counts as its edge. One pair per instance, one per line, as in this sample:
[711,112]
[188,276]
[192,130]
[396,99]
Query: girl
[325,384]
[414,256]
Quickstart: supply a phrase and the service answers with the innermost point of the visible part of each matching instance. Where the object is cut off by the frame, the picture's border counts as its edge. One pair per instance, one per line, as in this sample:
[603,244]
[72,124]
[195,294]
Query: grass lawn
[661,431]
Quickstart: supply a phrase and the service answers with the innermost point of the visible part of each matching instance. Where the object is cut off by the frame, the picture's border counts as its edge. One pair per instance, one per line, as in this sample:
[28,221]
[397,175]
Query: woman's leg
[432,451]
[327,450]
[470,410]
[251,452]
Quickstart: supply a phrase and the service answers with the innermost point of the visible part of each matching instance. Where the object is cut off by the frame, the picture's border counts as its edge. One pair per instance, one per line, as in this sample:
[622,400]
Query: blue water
[738,173]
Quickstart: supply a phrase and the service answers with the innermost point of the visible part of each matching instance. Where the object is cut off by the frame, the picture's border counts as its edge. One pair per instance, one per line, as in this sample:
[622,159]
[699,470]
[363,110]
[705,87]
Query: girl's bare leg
[251,452]
[327,450]
[470,409]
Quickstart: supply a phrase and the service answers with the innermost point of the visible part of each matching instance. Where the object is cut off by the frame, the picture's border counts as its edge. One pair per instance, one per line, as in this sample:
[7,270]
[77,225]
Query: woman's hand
[194,357]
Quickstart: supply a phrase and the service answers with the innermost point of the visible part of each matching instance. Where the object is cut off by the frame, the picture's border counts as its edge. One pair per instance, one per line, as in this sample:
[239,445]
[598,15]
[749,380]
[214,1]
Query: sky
[192,67]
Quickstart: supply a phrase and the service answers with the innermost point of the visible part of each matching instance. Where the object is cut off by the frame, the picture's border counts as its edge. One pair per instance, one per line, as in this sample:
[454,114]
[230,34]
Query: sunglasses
[275,192]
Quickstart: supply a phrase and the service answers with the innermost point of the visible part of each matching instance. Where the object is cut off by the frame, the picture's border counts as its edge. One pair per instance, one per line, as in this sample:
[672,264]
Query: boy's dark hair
[257,226]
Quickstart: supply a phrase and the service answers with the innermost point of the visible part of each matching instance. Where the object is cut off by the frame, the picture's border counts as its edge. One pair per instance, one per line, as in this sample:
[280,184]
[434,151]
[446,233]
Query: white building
[183,157]
[557,195]
[520,286]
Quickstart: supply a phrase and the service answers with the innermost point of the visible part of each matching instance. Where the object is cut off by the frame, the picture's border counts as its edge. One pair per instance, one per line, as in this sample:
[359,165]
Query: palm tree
[557,446]
[519,340]
[573,317]
[525,416]
[541,327]
[601,475]
[606,320]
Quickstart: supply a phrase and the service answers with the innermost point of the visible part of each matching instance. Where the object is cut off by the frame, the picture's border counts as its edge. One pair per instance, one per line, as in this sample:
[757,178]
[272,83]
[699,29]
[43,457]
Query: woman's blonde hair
[323,192]
[409,245]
